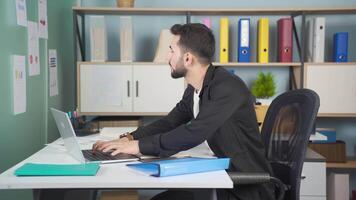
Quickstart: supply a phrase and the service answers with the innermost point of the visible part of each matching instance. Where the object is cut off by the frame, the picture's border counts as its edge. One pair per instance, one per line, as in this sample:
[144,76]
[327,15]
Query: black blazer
[226,119]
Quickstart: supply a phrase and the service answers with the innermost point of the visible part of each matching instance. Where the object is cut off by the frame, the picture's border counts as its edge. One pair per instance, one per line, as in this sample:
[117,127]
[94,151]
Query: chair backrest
[286,130]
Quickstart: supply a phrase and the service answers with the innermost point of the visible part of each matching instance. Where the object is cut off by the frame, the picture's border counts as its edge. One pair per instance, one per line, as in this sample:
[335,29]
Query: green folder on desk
[33,169]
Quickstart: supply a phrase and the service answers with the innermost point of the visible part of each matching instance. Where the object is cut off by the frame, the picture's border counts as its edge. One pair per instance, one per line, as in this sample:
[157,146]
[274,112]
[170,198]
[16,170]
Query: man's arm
[225,99]
[180,114]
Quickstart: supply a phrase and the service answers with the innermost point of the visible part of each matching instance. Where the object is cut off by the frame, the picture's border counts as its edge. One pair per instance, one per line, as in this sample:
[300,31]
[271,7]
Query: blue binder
[340,46]
[244,40]
[181,166]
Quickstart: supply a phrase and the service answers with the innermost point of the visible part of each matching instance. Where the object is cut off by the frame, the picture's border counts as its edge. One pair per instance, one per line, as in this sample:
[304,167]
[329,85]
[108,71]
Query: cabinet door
[154,88]
[335,85]
[313,181]
[105,89]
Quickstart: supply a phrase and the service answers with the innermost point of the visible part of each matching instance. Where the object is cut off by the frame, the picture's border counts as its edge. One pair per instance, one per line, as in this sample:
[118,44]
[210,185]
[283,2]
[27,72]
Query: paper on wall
[42,19]
[19,84]
[33,49]
[21,12]
[52,64]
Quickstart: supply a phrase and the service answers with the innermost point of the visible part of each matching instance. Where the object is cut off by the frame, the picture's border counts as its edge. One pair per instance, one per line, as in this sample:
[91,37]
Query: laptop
[71,144]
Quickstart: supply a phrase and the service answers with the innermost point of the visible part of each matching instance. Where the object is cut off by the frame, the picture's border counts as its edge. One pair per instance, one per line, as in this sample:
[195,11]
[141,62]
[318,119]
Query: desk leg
[205,194]
[36,194]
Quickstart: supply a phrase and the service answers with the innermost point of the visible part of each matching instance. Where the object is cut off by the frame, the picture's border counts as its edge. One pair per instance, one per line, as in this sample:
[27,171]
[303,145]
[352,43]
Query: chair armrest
[247,178]
[251,178]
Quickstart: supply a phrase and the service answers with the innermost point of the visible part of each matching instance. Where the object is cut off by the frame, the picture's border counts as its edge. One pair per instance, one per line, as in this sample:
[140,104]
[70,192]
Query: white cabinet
[313,183]
[127,89]
[335,84]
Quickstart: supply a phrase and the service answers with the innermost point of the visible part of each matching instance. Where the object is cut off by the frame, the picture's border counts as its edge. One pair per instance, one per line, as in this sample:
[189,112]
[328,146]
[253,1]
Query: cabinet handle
[136,88]
[128,88]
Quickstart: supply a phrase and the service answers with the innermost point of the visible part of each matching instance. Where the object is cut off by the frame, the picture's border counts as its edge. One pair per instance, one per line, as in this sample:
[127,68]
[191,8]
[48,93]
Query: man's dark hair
[196,38]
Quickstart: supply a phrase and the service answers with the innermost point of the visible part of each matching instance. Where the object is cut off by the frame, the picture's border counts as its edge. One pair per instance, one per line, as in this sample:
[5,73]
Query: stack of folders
[179,166]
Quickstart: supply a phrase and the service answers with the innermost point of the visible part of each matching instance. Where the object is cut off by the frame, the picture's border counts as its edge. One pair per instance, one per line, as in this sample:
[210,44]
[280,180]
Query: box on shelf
[118,122]
[329,133]
[333,152]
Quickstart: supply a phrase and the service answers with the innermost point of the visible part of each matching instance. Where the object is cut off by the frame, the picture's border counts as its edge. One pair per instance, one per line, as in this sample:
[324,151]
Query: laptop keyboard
[100,156]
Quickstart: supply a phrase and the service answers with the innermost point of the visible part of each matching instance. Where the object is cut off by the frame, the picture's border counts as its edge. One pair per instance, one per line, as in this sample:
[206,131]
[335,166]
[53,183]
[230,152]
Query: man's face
[176,59]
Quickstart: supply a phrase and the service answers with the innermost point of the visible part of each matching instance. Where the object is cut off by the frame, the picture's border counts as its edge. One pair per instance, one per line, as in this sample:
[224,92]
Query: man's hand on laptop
[122,145]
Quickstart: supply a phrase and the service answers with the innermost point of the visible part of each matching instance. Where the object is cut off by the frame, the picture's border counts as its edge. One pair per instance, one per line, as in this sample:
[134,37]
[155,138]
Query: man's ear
[188,59]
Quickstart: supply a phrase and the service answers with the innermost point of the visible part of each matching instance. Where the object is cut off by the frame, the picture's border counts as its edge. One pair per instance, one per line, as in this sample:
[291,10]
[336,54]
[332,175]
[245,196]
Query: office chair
[286,130]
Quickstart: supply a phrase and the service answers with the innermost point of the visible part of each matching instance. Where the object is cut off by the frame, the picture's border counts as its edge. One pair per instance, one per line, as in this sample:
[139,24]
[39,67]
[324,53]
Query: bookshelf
[188,12]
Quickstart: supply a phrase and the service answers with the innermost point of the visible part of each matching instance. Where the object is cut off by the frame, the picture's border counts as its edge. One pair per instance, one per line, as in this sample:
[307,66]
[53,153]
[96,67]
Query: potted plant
[264,87]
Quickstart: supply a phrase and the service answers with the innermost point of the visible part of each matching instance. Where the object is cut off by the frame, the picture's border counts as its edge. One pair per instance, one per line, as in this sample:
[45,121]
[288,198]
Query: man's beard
[180,70]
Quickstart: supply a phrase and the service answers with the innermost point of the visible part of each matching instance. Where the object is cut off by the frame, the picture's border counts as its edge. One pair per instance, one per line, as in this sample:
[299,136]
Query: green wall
[23,134]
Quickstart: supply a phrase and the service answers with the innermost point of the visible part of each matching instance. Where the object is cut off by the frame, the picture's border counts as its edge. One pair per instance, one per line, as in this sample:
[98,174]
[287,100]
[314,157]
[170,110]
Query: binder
[244,41]
[98,39]
[316,40]
[285,40]
[34,169]
[263,40]
[181,166]
[340,46]
[165,39]
[207,22]
[224,40]
[126,39]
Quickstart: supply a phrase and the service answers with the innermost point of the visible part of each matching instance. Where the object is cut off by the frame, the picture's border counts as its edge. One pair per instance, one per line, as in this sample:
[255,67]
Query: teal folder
[181,166]
[32,169]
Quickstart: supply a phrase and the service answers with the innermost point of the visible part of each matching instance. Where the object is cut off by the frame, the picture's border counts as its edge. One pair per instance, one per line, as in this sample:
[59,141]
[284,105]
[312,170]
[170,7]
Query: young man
[216,107]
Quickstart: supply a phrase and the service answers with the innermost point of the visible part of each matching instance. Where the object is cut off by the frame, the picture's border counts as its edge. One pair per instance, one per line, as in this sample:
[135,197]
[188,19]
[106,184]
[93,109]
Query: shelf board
[120,63]
[209,11]
[253,64]
[350,164]
[336,114]
[330,63]
[231,64]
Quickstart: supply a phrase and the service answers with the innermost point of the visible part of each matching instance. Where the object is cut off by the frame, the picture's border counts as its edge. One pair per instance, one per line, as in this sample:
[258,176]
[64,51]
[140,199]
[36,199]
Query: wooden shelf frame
[296,69]
[210,11]
[230,64]
[350,164]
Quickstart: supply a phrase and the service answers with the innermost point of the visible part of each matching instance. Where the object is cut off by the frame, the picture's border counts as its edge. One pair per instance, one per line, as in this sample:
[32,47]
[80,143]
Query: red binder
[285,40]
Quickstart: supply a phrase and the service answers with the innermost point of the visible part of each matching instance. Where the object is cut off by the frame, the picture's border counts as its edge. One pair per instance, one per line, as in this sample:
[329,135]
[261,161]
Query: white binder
[316,40]
[126,39]
[98,39]
[164,41]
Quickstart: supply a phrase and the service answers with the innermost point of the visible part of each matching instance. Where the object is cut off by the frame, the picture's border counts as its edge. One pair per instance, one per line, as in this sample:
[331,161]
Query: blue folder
[181,166]
[244,40]
[33,169]
[340,46]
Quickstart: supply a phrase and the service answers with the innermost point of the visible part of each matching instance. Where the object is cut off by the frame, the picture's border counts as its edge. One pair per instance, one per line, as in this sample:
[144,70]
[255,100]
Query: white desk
[116,175]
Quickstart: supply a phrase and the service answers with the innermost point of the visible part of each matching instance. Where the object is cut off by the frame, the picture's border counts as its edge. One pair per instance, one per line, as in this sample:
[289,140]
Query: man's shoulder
[226,78]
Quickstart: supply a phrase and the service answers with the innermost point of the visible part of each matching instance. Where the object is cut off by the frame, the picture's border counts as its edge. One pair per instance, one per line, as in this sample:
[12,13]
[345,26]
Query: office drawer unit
[313,183]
